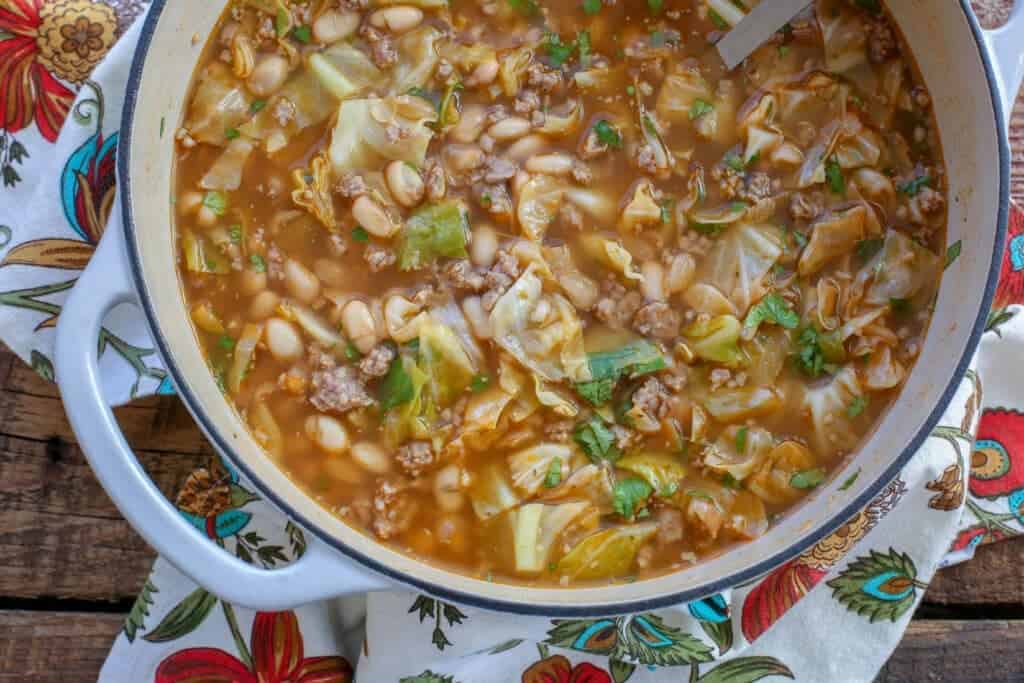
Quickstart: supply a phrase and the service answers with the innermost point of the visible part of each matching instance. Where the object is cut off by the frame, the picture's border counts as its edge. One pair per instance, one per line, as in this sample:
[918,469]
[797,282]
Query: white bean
[189,202]
[405,184]
[461,158]
[373,217]
[263,305]
[327,433]
[206,217]
[524,148]
[479,321]
[448,489]
[507,130]
[556,164]
[484,74]
[483,246]
[330,272]
[398,19]
[680,273]
[334,25]
[653,284]
[471,124]
[283,340]
[400,316]
[301,282]
[371,457]
[268,76]
[359,325]
[251,281]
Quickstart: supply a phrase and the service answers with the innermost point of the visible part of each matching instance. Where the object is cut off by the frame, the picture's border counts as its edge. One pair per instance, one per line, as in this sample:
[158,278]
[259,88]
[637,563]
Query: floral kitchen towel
[834,613]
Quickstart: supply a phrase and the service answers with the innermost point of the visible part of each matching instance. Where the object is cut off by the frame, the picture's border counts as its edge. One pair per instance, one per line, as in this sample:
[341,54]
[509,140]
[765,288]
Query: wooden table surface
[70,566]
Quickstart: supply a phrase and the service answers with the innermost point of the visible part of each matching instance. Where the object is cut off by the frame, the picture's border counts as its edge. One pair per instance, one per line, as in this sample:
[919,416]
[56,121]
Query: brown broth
[689,474]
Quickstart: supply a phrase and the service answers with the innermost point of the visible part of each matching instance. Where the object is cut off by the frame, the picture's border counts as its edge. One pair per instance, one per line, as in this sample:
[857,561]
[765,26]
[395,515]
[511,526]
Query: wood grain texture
[55,647]
[958,652]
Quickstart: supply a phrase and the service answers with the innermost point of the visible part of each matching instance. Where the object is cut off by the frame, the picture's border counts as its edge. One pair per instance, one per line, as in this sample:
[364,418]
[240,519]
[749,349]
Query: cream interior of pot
[941,39]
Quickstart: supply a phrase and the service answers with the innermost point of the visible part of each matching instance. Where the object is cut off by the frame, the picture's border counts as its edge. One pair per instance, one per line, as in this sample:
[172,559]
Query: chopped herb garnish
[591,7]
[834,175]
[608,134]
[352,353]
[655,6]
[163,125]
[783,51]
[699,108]
[629,496]
[709,229]
[303,34]
[596,392]
[899,306]
[807,479]
[359,234]
[953,252]
[666,211]
[596,440]
[235,233]
[527,8]
[216,202]
[666,37]
[630,90]
[397,387]
[607,367]
[583,47]
[258,264]
[716,19]
[257,105]
[866,249]
[735,162]
[479,383]
[554,475]
[774,309]
[669,489]
[857,406]
[850,481]
[912,187]
[281,22]
[819,352]
[800,239]
[558,52]
[741,440]
[731,482]
[231,133]
[226,342]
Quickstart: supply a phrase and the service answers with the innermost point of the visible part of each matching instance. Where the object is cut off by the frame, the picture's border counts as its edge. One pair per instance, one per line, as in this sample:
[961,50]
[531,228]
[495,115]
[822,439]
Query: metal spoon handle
[756,28]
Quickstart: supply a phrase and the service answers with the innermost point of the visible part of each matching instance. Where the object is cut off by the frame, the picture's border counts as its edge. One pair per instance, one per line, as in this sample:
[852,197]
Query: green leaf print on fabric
[42,365]
[427,677]
[184,618]
[642,638]
[140,610]
[620,670]
[438,611]
[878,586]
[744,670]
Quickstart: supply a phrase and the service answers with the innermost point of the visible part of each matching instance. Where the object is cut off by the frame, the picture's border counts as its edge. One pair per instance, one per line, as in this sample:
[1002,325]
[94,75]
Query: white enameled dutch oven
[971,74]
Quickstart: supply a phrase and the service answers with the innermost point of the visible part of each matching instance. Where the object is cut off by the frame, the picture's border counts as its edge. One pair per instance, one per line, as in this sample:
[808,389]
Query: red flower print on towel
[277,657]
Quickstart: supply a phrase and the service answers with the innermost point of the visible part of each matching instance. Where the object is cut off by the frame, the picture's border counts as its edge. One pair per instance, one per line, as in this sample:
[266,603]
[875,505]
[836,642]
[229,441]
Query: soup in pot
[538,291]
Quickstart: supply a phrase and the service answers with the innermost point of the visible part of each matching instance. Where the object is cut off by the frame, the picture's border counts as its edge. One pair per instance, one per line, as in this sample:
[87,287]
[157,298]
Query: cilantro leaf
[583,47]
[479,383]
[258,264]
[257,105]
[359,234]
[596,392]
[558,52]
[527,8]
[396,388]
[554,475]
[857,406]
[303,34]
[912,187]
[741,440]
[834,175]
[629,496]
[900,306]
[655,6]
[608,134]
[735,162]
[216,202]
[807,479]
[716,19]
[818,352]
[591,7]
[773,308]
[850,481]
[699,108]
[231,133]
[596,440]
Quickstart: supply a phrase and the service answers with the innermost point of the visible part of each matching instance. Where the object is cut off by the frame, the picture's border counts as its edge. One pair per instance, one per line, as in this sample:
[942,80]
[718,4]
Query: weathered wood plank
[994,577]
[958,652]
[59,533]
[54,647]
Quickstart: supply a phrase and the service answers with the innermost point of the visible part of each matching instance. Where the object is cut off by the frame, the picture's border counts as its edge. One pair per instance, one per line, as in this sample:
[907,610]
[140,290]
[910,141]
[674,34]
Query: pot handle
[320,573]
[1006,45]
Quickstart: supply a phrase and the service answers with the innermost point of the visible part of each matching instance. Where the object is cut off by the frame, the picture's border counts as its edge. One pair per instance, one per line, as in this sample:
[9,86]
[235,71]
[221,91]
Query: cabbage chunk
[491,492]
[537,527]
[302,93]
[836,235]
[900,270]
[417,52]
[662,471]
[717,340]
[552,345]
[739,451]
[220,103]
[607,553]
[827,406]
[530,466]
[740,261]
[434,231]
[443,359]
[226,172]
[361,137]
[344,70]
